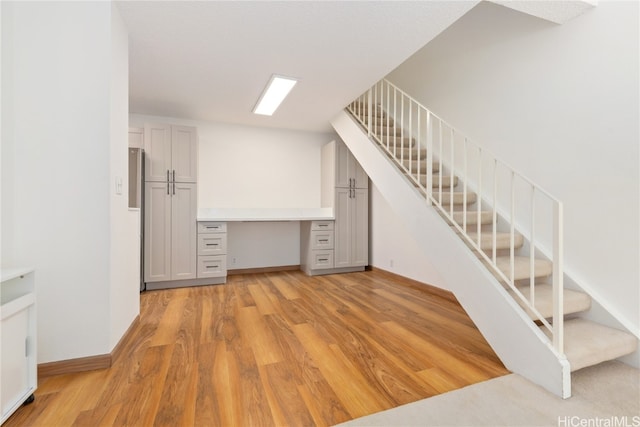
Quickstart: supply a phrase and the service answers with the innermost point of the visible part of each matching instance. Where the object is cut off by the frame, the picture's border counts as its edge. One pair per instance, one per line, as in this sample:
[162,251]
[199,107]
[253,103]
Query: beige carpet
[604,395]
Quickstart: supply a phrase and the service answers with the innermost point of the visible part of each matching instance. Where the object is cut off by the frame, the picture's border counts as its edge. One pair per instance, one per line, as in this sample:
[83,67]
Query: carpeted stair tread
[573,301]
[401,145]
[446,180]
[486,217]
[542,267]
[503,240]
[379,118]
[420,165]
[458,197]
[381,129]
[420,154]
[587,343]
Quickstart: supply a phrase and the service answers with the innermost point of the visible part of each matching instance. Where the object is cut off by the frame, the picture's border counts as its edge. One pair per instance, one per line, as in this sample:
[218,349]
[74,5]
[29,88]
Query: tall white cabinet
[171,205]
[345,189]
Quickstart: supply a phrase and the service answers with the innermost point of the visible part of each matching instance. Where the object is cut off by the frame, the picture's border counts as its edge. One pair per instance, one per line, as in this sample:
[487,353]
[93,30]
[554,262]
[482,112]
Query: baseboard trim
[443,293]
[90,363]
[262,270]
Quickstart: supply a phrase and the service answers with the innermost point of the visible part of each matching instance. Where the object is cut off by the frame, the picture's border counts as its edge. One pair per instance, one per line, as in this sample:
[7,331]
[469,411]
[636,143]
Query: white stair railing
[506,200]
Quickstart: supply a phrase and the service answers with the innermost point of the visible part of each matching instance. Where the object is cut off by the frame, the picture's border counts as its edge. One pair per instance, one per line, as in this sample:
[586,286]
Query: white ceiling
[211,60]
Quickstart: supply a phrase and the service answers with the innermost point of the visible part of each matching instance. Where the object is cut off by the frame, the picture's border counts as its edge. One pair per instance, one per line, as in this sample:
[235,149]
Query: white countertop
[265,214]
[9,273]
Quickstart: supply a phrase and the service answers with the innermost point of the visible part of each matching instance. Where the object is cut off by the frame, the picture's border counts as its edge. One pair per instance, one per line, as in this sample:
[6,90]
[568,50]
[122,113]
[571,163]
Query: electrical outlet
[233,261]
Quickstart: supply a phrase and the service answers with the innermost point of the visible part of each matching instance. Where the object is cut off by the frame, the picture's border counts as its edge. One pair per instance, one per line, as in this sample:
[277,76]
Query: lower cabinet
[18,364]
[352,227]
[212,250]
[316,246]
[170,231]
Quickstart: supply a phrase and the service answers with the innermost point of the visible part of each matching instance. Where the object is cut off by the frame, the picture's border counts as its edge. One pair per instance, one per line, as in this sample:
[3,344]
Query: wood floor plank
[349,385]
[263,302]
[170,322]
[276,348]
[455,366]
[262,340]
[285,398]
[286,288]
[144,397]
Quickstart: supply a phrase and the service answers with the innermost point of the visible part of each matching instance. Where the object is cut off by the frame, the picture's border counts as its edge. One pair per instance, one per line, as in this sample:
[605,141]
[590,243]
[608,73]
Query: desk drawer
[212,266]
[212,244]
[322,240]
[211,227]
[321,259]
[321,225]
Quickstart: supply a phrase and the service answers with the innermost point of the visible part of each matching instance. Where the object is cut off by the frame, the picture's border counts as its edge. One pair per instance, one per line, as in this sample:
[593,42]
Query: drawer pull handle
[211,244]
[323,259]
[323,240]
[212,266]
[212,226]
[323,225]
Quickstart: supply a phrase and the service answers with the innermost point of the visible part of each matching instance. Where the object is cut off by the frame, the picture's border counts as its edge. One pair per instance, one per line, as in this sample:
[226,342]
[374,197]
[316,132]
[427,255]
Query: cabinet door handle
[168,188]
[174,175]
[174,188]
[168,175]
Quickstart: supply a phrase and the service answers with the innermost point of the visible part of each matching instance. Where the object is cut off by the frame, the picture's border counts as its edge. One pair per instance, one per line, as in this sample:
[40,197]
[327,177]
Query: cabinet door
[342,226]
[157,232]
[157,147]
[183,231]
[184,157]
[15,367]
[360,176]
[343,157]
[360,228]
[348,169]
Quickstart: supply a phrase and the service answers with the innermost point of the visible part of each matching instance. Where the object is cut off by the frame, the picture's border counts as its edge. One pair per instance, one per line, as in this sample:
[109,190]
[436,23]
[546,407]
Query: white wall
[393,248]
[253,167]
[125,223]
[6,147]
[57,131]
[560,104]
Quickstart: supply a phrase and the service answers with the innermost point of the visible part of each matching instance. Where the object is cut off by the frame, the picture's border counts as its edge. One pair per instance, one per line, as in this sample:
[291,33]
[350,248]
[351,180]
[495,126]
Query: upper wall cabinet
[349,173]
[171,153]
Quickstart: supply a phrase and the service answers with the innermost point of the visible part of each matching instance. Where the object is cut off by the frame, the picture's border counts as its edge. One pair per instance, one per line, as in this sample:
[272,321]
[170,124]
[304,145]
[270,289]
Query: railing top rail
[489,152]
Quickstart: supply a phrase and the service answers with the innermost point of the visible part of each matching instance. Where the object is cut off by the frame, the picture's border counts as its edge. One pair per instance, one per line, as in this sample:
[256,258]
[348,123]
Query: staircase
[508,226]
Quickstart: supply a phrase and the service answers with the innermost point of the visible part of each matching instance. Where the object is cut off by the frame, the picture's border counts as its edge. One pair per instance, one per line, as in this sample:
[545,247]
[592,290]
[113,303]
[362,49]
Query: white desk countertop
[265,214]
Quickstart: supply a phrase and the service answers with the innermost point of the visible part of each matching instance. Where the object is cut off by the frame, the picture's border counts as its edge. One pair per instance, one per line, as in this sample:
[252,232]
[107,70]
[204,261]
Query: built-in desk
[265,214]
[313,237]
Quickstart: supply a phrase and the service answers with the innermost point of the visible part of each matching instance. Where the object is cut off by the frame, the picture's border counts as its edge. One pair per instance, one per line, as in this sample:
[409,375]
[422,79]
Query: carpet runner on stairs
[586,343]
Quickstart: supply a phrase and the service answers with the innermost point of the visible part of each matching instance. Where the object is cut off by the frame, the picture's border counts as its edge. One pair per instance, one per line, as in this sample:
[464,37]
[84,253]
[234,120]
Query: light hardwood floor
[278,349]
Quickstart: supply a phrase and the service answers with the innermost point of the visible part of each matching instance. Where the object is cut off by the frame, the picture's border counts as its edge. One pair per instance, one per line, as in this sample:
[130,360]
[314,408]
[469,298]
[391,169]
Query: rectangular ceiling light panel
[275,92]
